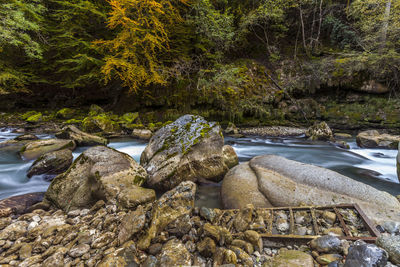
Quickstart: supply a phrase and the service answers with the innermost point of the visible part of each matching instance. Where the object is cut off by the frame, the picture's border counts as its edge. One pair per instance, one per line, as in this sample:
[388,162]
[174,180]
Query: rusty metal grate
[352,221]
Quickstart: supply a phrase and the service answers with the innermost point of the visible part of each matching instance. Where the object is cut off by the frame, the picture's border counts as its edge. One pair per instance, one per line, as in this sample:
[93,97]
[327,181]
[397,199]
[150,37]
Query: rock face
[100,173]
[80,138]
[392,245]
[35,149]
[51,163]
[188,149]
[373,139]
[320,131]
[284,182]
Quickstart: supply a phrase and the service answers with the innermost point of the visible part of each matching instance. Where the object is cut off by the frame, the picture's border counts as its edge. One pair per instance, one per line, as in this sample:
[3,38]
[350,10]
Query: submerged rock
[284,182]
[362,254]
[320,131]
[373,139]
[100,173]
[81,138]
[392,245]
[35,149]
[189,149]
[52,163]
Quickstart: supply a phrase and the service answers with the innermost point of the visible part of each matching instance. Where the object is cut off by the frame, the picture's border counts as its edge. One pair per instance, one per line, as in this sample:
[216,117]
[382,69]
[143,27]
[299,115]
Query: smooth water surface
[376,167]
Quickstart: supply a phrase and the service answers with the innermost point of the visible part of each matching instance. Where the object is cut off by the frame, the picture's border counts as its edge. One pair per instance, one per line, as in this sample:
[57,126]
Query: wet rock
[144,134]
[172,205]
[98,173]
[206,247]
[188,149]
[326,244]
[292,258]
[51,163]
[81,138]
[362,254]
[392,245]
[373,139]
[132,223]
[19,204]
[35,149]
[174,253]
[320,131]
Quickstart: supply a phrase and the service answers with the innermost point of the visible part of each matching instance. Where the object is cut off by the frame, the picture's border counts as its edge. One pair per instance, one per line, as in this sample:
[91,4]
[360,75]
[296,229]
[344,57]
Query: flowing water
[376,167]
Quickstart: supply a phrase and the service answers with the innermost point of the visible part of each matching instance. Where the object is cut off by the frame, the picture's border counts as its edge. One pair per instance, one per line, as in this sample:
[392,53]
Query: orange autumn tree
[142,38]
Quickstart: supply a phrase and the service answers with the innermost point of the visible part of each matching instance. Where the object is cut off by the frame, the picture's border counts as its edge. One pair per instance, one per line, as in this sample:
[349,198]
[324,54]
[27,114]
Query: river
[376,167]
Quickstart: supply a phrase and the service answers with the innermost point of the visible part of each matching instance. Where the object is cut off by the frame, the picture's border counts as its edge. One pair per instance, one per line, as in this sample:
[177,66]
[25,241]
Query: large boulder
[189,149]
[51,163]
[35,149]
[172,205]
[320,131]
[100,173]
[100,123]
[373,139]
[81,138]
[286,182]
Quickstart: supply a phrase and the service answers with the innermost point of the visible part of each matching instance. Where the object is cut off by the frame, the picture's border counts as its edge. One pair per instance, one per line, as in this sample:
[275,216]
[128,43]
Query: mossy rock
[35,118]
[95,110]
[65,113]
[28,114]
[129,118]
[100,123]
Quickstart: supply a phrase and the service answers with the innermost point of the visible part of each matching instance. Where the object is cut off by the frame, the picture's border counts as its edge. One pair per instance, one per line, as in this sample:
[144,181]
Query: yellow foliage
[142,28]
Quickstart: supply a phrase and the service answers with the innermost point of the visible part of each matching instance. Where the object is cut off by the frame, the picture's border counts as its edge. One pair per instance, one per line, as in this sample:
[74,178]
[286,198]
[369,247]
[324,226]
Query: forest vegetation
[236,57]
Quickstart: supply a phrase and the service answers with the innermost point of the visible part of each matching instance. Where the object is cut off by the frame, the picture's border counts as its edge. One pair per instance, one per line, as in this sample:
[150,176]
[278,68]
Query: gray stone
[81,138]
[51,163]
[365,255]
[189,149]
[392,245]
[35,149]
[327,244]
[391,227]
[98,173]
[373,139]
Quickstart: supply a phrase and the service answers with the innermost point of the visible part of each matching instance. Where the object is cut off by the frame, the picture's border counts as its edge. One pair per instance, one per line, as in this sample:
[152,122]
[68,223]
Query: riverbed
[376,167]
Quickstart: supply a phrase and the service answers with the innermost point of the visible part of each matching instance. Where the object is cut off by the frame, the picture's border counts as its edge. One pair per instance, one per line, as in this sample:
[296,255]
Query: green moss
[28,114]
[129,118]
[35,118]
[65,113]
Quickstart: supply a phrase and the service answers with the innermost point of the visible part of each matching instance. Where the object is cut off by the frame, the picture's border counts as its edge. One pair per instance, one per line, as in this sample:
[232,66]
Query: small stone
[328,258]
[25,251]
[206,247]
[330,217]
[336,231]
[282,225]
[243,245]
[255,239]
[154,249]
[79,250]
[174,253]
[326,244]
[207,213]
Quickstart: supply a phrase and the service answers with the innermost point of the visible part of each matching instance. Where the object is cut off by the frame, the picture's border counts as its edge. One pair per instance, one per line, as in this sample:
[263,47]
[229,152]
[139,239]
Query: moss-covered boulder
[320,131]
[66,113]
[100,173]
[35,118]
[35,149]
[81,138]
[129,118]
[373,139]
[189,149]
[100,123]
[51,163]
[95,110]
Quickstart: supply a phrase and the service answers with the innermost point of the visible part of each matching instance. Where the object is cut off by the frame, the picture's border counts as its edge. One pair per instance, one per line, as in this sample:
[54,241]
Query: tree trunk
[385,24]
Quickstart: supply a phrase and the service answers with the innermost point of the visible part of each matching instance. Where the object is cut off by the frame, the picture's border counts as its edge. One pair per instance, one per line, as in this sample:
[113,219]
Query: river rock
[144,134]
[292,258]
[320,131]
[174,253]
[99,173]
[81,138]
[392,245]
[273,131]
[285,183]
[373,139]
[231,129]
[188,149]
[230,157]
[26,137]
[15,145]
[51,163]
[35,149]
[132,223]
[362,254]
[19,204]
[172,205]
[240,187]
[327,244]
